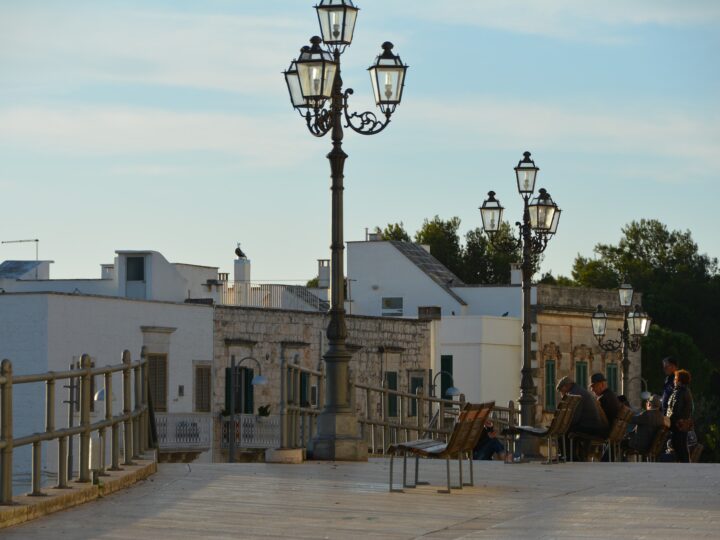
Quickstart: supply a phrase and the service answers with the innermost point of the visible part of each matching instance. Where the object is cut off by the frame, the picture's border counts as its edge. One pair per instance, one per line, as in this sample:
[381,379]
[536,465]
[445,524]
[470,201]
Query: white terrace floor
[350,500]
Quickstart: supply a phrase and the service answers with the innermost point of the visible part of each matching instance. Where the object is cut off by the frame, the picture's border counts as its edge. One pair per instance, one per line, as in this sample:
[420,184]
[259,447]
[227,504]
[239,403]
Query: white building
[478,328]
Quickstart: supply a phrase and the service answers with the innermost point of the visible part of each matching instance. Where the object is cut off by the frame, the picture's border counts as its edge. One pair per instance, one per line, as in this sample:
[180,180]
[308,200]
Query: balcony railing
[184,431]
[253,431]
[270,295]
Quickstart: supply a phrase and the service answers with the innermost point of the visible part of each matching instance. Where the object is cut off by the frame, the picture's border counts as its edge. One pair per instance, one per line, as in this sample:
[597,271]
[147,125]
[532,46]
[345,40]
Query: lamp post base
[337,438]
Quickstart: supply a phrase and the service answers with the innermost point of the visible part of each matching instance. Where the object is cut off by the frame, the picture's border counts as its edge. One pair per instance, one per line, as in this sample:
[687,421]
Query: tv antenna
[37,248]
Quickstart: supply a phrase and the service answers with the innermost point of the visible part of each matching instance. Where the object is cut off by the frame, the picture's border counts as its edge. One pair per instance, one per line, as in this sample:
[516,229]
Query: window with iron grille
[158,380]
[202,388]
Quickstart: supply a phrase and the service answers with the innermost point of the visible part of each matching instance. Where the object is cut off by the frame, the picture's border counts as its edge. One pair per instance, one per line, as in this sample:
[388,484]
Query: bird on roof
[239,253]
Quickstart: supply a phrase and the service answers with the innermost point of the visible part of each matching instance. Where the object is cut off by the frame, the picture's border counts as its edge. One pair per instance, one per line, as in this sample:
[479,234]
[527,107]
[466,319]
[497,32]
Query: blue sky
[166,125]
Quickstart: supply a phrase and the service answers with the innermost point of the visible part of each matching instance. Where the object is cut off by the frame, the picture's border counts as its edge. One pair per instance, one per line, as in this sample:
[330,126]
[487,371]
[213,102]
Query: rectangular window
[158,380]
[203,387]
[391,383]
[135,269]
[550,385]
[415,383]
[446,378]
[611,374]
[581,374]
[244,396]
[392,307]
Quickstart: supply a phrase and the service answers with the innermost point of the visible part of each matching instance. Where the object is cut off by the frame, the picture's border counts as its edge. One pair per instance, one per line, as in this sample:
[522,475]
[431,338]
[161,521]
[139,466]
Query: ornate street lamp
[541,217]
[636,325]
[316,92]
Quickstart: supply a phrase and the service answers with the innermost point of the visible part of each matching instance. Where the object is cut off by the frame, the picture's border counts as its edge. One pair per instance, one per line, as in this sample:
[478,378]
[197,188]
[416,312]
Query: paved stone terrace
[350,500]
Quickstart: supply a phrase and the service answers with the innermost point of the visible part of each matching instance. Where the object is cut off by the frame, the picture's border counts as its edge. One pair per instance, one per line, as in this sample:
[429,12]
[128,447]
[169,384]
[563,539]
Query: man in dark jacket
[609,401]
[587,419]
[670,366]
[647,424]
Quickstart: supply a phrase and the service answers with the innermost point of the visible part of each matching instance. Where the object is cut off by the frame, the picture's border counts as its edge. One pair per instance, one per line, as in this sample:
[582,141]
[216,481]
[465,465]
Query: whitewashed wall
[379,270]
[487,355]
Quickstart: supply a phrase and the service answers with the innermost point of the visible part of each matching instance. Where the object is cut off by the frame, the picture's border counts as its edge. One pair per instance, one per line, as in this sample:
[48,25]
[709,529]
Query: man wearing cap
[587,417]
[670,366]
[647,425]
[608,400]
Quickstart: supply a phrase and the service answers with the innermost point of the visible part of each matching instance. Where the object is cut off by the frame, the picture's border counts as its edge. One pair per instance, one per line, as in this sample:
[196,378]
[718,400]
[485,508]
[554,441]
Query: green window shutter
[550,385]
[304,389]
[248,392]
[611,374]
[392,384]
[446,364]
[581,373]
[227,391]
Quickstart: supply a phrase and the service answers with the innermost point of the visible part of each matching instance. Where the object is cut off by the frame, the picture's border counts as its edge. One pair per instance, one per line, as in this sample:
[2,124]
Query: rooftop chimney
[323,273]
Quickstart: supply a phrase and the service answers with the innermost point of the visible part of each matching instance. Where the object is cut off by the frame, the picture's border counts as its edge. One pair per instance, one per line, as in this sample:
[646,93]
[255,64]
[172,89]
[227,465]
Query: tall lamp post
[316,92]
[539,223]
[636,325]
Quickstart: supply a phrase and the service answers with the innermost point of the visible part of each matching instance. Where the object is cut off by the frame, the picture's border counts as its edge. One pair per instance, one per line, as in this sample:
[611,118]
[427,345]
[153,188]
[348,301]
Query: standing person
[670,366]
[680,407]
[587,418]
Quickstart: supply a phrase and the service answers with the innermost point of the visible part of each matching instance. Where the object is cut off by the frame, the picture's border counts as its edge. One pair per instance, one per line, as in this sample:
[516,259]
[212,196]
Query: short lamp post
[257,380]
[316,92]
[451,392]
[539,224]
[636,325]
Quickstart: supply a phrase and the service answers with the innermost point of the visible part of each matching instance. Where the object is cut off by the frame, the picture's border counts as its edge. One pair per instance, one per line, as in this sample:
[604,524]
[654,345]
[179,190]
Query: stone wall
[379,345]
[564,334]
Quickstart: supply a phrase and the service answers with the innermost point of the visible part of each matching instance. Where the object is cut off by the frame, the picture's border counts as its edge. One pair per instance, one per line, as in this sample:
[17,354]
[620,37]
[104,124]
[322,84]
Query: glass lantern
[526,173]
[337,21]
[491,214]
[387,75]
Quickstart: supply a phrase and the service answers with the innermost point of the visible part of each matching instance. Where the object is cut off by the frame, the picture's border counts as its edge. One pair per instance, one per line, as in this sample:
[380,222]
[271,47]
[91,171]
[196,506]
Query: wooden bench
[557,429]
[611,443]
[463,439]
[656,446]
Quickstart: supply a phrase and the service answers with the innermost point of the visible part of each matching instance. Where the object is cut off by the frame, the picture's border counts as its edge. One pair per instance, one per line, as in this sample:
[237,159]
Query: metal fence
[253,431]
[411,416]
[184,431]
[270,295]
[134,419]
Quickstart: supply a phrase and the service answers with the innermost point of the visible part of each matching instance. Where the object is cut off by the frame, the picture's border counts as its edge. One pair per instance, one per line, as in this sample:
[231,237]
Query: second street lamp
[316,92]
[636,325]
[541,217]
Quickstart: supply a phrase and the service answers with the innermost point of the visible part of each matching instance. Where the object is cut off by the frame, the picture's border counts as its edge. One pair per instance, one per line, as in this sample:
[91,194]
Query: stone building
[391,351]
[564,344]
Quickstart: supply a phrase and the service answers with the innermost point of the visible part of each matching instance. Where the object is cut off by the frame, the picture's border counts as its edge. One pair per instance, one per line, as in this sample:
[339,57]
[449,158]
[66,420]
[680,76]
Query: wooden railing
[134,419]
[411,416]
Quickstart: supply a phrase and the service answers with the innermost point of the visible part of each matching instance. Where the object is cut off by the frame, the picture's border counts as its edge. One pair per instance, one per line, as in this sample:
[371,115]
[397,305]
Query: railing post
[137,424]
[283,403]
[85,418]
[6,434]
[127,408]
[36,473]
[420,410]
[146,408]
[62,463]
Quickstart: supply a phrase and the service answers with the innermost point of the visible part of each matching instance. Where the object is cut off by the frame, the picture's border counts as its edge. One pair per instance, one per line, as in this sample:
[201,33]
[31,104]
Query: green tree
[549,279]
[395,231]
[442,237]
[489,262]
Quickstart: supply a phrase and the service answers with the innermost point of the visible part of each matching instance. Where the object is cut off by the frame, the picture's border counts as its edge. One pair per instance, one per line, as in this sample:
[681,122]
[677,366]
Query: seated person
[647,424]
[587,419]
[488,445]
[608,400]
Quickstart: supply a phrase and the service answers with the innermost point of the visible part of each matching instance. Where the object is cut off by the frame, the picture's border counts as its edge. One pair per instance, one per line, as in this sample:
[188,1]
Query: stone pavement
[350,500]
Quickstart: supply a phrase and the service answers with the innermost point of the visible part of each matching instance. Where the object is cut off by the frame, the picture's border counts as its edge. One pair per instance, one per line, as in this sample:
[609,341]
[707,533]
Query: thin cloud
[121,131]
